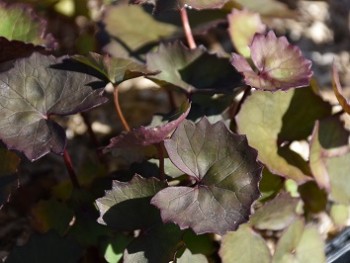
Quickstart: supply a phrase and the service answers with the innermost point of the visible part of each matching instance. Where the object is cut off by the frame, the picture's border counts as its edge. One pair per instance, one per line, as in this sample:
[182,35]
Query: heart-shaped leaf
[143,30]
[300,244]
[19,22]
[30,93]
[145,136]
[116,70]
[127,205]
[279,64]
[243,25]
[338,90]
[244,246]
[193,70]
[226,176]
[261,119]
[276,214]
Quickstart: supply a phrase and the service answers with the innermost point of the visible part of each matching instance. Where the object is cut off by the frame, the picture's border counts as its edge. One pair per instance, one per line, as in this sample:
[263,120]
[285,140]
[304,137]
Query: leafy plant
[214,180]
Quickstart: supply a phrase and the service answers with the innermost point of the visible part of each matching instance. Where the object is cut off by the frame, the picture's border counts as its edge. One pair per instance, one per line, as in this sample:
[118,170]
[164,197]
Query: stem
[119,110]
[70,169]
[187,28]
[159,147]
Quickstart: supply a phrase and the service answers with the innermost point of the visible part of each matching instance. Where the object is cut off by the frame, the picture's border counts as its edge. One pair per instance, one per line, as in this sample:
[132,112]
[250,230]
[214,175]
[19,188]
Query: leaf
[266,7]
[116,70]
[340,215]
[338,90]
[51,214]
[127,205]
[280,65]
[19,22]
[226,177]
[192,70]
[30,93]
[46,248]
[188,257]
[9,162]
[315,199]
[328,134]
[300,244]
[244,246]
[269,185]
[158,244]
[143,30]
[144,136]
[115,248]
[276,214]
[243,25]
[260,119]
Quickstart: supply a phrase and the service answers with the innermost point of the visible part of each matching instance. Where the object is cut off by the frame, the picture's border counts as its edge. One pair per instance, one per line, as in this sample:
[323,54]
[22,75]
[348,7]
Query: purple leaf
[279,65]
[145,136]
[226,176]
[30,93]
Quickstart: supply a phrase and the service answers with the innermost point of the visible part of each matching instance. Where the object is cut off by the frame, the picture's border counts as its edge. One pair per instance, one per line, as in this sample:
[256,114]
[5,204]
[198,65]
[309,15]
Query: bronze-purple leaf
[225,174]
[31,92]
[279,65]
[144,136]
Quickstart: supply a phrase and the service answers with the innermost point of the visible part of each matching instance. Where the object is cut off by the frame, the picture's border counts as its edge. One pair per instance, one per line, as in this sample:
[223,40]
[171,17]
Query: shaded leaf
[46,248]
[158,244]
[199,244]
[243,25]
[226,173]
[127,205]
[269,185]
[116,70]
[280,65]
[143,30]
[19,22]
[144,136]
[115,248]
[30,93]
[244,246]
[9,162]
[338,90]
[300,244]
[275,214]
[314,198]
[272,8]
[260,119]
[193,70]
[51,214]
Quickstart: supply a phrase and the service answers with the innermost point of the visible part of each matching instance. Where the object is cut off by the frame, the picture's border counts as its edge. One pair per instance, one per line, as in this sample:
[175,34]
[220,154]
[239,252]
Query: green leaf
[30,93]
[188,257]
[340,215]
[315,199]
[192,70]
[338,90]
[262,118]
[161,5]
[300,244]
[116,70]
[225,174]
[275,214]
[127,205]
[158,244]
[134,27]
[270,185]
[115,248]
[9,162]
[244,246]
[19,22]
[46,248]
[266,7]
[243,25]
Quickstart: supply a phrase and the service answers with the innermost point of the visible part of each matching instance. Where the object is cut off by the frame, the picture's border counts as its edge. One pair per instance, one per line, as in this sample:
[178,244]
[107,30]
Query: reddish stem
[187,28]
[119,110]
[70,169]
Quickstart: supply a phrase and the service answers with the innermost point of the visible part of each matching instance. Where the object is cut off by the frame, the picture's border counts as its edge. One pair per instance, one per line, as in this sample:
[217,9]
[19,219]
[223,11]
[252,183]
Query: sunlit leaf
[244,246]
[30,93]
[280,65]
[242,27]
[127,205]
[115,248]
[46,248]
[192,70]
[300,244]
[338,90]
[340,214]
[225,172]
[271,8]
[261,120]
[19,22]
[276,214]
[158,244]
[116,70]
[144,136]
[188,257]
